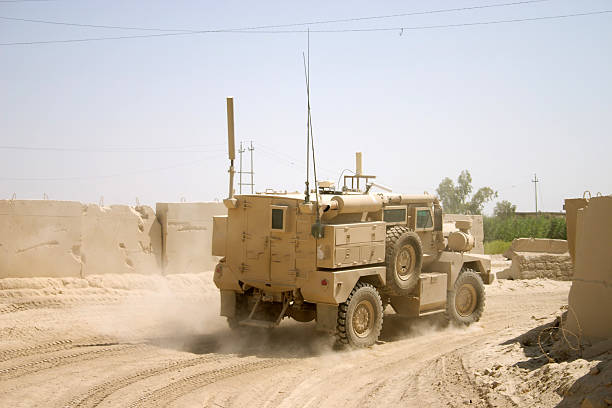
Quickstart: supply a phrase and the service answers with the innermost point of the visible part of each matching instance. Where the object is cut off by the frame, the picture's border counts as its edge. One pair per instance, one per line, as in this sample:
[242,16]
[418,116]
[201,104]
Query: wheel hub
[363,319]
[406,259]
[465,300]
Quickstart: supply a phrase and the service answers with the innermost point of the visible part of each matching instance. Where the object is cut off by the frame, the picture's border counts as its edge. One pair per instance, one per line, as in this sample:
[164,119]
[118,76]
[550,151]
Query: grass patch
[496,247]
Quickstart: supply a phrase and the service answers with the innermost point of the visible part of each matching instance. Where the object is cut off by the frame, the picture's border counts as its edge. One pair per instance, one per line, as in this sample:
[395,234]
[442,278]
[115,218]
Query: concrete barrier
[542,245]
[40,238]
[120,239]
[187,236]
[477,228]
[590,297]
[538,258]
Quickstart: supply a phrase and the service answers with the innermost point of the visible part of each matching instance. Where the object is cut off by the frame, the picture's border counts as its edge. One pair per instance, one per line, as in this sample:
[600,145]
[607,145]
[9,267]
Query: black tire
[363,303]
[403,258]
[466,302]
[241,313]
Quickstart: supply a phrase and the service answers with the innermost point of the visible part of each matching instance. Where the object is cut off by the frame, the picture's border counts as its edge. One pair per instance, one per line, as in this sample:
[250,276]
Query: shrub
[496,247]
[508,228]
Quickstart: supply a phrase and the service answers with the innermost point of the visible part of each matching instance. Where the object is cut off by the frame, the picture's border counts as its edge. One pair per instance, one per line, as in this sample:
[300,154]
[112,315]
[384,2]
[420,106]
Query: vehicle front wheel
[466,301]
[360,317]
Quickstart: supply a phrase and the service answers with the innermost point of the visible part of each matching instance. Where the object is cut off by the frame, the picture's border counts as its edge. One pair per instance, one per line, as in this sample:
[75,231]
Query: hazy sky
[146,117]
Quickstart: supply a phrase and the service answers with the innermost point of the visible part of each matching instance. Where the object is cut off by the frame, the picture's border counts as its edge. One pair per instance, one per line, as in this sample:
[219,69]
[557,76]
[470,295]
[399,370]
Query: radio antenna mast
[307,192]
[317,229]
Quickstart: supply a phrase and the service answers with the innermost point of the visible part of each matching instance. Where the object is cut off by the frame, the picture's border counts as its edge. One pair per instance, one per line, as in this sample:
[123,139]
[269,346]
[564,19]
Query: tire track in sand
[54,362]
[24,305]
[165,395]
[94,396]
[38,349]
[55,346]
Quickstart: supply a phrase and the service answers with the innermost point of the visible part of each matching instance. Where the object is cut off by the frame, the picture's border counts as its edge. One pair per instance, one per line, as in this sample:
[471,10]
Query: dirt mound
[547,367]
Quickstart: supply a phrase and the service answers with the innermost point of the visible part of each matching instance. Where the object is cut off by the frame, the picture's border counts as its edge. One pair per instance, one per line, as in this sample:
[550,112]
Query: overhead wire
[95,177]
[307,23]
[23,1]
[178,149]
[343,30]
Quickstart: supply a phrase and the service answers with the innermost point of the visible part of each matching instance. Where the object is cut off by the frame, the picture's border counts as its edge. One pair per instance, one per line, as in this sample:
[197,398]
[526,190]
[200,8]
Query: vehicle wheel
[404,258]
[242,312]
[466,301]
[360,317]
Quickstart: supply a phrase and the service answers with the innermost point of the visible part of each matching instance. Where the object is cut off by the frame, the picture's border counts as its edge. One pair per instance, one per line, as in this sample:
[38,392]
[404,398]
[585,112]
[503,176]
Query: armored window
[395,215]
[423,219]
[278,217]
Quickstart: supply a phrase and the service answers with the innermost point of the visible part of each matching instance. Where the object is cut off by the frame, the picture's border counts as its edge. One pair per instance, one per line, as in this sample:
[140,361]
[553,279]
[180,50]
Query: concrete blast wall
[187,236]
[69,239]
[40,238]
[590,297]
[120,239]
[477,228]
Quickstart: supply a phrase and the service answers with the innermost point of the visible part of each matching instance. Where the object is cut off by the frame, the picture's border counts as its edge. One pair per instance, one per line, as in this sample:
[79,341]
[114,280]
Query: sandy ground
[139,341]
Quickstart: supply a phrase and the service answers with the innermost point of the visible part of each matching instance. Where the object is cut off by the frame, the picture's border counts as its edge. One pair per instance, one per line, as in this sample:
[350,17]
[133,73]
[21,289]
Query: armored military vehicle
[340,260]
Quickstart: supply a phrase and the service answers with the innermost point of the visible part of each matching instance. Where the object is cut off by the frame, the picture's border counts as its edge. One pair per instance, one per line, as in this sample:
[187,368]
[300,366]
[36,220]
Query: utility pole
[241,170]
[251,148]
[240,151]
[535,190]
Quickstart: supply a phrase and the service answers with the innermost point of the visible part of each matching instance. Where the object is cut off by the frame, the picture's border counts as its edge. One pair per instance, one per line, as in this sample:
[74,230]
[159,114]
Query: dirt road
[120,349]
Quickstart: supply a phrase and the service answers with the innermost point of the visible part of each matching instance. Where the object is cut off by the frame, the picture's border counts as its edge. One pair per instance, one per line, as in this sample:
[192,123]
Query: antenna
[316,229]
[231,148]
[306,73]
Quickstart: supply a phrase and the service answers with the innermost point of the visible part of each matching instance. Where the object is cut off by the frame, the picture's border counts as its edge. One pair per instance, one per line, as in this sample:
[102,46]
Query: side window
[423,219]
[393,215]
[278,218]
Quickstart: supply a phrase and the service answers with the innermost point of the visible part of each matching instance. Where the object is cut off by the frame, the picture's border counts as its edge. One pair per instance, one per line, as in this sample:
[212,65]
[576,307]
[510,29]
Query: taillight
[324,282]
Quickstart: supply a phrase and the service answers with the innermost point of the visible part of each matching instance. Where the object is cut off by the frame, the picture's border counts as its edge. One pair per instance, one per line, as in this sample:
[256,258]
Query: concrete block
[531,265]
[544,245]
[121,239]
[40,238]
[477,228]
[187,236]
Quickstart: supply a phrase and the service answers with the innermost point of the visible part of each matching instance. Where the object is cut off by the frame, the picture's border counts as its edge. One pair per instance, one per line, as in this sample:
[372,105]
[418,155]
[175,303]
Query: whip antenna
[316,229]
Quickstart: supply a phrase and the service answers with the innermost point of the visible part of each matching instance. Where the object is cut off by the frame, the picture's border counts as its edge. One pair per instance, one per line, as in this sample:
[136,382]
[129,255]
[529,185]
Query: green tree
[456,198]
[504,208]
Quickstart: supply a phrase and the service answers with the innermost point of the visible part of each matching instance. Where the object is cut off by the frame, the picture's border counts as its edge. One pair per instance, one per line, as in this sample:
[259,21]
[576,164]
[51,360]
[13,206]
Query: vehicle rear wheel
[241,312]
[404,259]
[360,317]
[466,301]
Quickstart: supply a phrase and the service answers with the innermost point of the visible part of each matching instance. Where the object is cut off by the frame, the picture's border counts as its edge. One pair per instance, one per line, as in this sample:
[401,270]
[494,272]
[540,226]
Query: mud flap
[406,305]
[487,278]
[327,317]
[228,303]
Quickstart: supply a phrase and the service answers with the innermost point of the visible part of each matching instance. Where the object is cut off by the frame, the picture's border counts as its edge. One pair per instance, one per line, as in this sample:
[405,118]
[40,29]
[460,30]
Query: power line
[354,30]
[23,1]
[181,149]
[308,23]
[122,174]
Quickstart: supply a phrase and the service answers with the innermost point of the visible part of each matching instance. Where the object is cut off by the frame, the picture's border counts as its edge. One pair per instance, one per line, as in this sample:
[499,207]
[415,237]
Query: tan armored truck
[342,267]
